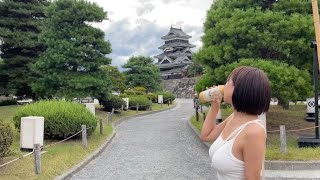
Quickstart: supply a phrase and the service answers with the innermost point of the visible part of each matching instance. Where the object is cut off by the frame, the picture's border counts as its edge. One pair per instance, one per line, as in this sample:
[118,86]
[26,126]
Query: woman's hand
[215,103]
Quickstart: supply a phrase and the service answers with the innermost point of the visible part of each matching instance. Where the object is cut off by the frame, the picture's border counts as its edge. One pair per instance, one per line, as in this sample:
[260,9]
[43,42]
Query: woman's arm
[254,151]
[210,131]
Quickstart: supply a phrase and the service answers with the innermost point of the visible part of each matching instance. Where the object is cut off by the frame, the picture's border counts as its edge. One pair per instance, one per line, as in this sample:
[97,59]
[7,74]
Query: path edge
[274,165]
[96,153]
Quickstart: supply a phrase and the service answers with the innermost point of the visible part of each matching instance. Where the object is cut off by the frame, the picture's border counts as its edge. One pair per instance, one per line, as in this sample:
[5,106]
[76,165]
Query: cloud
[144,39]
[144,9]
[175,1]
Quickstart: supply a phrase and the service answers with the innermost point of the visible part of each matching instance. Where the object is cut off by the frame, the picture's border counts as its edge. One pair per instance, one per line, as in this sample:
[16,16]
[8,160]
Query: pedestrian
[239,142]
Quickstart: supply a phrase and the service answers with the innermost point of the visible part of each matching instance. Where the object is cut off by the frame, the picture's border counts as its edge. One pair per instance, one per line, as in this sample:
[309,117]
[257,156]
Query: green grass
[292,119]
[59,158]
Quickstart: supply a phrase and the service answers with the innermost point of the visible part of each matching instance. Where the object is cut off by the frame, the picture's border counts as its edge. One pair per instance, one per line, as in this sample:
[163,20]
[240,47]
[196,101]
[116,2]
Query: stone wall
[181,88]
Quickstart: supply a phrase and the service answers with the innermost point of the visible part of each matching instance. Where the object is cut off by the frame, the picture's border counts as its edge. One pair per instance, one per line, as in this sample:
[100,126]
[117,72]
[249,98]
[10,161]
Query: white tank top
[228,167]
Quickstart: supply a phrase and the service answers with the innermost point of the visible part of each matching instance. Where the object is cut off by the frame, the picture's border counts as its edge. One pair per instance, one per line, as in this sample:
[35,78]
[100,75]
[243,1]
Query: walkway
[157,146]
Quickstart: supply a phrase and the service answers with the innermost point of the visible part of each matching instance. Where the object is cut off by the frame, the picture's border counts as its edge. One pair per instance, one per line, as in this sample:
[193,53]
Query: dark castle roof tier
[174,33]
[183,45]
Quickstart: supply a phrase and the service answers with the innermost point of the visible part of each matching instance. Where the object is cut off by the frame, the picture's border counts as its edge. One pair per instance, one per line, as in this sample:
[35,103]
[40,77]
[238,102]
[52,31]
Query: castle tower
[176,56]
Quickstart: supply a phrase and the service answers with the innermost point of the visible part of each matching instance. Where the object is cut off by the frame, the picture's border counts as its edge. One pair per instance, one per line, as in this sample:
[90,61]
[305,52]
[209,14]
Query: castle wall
[181,88]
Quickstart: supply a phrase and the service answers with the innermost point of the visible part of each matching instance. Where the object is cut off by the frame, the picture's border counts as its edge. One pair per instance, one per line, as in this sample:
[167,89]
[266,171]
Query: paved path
[157,146]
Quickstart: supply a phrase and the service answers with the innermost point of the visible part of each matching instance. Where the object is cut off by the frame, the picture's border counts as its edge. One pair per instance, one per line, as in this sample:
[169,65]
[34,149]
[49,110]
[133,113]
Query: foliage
[195,69]
[113,102]
[143,102]
[133,92]
[168,97]
[152,97]
[287,82]
[273,30]
[6,138]
[116,77]
[61,118]
[71,65]
[140,89]
[7,102]
[142,72]
[20,23]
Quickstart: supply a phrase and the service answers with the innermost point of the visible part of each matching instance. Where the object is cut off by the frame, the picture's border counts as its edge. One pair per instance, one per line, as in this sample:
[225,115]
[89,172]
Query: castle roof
[176,33]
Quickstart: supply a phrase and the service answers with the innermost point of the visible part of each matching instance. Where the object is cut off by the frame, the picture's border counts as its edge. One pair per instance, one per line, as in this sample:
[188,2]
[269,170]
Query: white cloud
[135,27]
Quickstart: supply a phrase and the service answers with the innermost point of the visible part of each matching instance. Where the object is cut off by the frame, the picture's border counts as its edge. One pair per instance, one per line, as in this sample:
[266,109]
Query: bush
[61,118]
[8,102]
[6,138]
[153,97]
[167,97]
[114,102]
[144,102]
[133,92]
[140,89]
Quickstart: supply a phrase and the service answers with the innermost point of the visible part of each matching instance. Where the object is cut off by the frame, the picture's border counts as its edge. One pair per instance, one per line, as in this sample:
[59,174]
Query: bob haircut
[252,92]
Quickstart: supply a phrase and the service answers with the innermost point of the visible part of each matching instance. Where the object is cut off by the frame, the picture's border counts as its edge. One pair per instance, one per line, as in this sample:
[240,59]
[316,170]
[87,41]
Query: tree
[195,69]
[259,29]
[117,78]
[142,72]
[20,23]
[287,82]
[71,65]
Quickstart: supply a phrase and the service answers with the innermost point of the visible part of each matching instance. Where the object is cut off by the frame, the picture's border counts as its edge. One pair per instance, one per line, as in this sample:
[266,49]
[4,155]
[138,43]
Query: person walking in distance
[239,142]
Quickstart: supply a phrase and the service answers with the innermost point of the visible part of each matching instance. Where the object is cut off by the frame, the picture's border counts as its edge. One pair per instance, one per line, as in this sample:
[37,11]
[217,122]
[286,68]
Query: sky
[135,27]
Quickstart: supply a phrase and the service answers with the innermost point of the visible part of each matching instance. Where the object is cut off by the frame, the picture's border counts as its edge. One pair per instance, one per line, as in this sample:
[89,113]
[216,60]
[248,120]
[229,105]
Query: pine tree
[71,65]
[20,23]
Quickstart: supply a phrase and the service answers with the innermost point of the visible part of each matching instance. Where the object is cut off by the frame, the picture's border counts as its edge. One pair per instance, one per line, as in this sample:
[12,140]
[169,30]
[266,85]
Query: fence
[282,130]
[37,149]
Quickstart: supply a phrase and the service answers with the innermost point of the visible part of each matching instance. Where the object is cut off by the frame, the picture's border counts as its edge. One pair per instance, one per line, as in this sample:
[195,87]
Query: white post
[84,136]
[283,139]
[37,158]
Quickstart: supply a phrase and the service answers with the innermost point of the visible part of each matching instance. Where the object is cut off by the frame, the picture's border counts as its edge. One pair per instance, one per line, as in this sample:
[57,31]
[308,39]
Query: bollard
[112,111]
[108,117]
[197,115]
[37,158]
[121,108]
[101,126]
[137,108]
[161,104]
[151,105]
[84,136]
[204,116]
[283,139]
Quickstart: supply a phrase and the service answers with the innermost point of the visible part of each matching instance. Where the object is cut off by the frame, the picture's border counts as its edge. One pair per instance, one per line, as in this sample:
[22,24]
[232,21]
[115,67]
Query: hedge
[61,118]
[6,138]
[144,102]
[114,102]
[8,102]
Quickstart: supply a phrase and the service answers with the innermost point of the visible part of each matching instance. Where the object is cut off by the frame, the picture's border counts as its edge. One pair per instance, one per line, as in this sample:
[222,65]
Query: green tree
[195,69]
[20,23]
[262,29]
[71,65]
[142,72]
[118,79]
[287,82]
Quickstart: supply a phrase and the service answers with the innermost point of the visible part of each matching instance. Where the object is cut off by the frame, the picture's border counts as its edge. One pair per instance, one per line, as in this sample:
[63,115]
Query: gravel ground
[157,146]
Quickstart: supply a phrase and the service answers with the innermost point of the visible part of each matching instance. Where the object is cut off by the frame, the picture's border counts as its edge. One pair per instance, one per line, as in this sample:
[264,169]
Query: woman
[239,142]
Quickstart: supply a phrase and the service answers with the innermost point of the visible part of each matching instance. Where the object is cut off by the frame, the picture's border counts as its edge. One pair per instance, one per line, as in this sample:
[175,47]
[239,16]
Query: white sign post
[160,99]
[127,102]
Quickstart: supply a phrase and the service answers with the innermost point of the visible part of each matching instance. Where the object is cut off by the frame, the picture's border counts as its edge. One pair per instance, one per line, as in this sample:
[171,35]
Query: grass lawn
[292,119]
[59,158]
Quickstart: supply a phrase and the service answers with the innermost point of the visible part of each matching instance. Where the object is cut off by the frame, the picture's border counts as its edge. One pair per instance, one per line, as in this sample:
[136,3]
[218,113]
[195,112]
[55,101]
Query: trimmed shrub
[8,102]
[140,89]
[6,138]
[114,102]
[123,95]
[167,97]
[61,118]
[144,102]
[133,92]
[153,97]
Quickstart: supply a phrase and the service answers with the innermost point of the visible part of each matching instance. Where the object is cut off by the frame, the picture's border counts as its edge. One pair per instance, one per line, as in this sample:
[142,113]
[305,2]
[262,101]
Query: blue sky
[135,27]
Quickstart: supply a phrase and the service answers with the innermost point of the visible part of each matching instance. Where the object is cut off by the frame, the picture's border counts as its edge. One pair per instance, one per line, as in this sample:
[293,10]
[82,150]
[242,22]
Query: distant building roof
[176,33]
